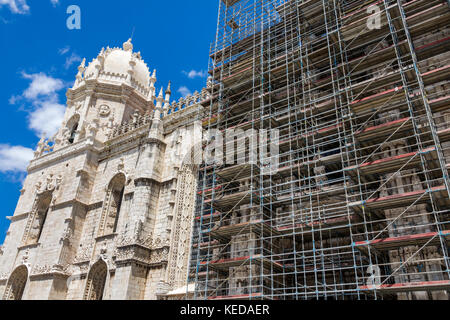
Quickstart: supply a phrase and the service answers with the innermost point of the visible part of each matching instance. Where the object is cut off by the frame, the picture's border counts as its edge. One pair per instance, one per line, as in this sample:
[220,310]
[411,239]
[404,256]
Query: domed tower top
[108,92]
[119,65]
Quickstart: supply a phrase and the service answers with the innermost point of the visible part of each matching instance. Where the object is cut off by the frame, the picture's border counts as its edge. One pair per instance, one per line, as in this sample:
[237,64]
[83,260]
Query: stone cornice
[60,205]
[49,271]
[64,153]
[101,87]
[126,142]
[19,216]
[141,255]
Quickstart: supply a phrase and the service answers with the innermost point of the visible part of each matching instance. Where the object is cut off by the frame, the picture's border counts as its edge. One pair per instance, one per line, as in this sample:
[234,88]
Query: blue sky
[40,56]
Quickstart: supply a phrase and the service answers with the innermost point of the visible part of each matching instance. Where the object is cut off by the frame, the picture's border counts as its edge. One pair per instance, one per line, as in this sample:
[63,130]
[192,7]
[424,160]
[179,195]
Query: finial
[161,92]
[128,46]
[168,91]
[154,74]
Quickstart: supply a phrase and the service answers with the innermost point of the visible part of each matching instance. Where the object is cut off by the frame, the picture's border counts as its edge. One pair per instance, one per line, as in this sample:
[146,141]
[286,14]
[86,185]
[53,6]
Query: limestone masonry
[358,92]
[107,207]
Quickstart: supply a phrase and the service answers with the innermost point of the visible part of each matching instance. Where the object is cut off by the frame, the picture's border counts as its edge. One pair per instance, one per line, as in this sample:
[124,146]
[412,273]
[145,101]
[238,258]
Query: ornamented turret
[152,85]
[80,74]
[167,99]
[159,104]
[156,128]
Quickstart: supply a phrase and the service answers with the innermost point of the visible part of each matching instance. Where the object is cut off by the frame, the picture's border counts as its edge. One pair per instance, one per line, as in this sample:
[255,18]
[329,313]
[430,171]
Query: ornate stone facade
[107,207]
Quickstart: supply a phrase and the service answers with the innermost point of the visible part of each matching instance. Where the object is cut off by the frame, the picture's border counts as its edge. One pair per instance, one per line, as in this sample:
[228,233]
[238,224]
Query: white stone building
[107,207]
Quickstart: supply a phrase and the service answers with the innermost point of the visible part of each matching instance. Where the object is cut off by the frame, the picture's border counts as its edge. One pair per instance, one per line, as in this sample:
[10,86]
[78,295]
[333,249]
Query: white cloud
[46,119]
[64,50]
[195,74]
[46,113]
[14,158]
[16,6]
[41,85]
[21,6]
[71,60]
[184,91]
[14,99]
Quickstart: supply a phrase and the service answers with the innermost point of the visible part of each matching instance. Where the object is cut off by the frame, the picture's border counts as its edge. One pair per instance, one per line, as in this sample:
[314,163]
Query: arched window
[73,133]
[16,284]
[96,281]
[72,126]
[37,220]
[112,205]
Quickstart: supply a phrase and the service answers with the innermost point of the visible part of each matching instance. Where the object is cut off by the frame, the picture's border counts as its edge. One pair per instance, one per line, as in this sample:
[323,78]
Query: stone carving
[91,131]
[183,223]
[128,46]
[104,110]
[44,146]
[40,270]
[4,276]
[78,105]
[67,234]
[52,183]
[141,255]
[136,123]
[84,253]
[25,257]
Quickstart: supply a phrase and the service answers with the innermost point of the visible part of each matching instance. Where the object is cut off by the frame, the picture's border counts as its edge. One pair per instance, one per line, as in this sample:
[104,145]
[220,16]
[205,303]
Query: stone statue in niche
[92,129]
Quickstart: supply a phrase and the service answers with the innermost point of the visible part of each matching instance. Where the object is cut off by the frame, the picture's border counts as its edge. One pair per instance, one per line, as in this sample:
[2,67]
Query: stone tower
[107,207]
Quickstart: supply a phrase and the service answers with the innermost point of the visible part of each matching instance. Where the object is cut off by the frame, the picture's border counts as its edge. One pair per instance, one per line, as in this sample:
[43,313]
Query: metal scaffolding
[359,208]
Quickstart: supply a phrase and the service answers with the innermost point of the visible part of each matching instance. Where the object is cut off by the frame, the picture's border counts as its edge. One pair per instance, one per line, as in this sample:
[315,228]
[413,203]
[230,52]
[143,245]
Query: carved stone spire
[168,94]
[156,128]
[81,70]
[128,46]
[152,85]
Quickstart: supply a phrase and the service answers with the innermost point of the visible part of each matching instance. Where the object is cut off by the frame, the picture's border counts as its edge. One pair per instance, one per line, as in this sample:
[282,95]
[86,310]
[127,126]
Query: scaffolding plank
[403,241]
[411,286]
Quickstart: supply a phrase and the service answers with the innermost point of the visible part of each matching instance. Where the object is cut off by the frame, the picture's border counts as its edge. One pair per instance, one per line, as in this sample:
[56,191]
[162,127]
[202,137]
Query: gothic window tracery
[96,281]
[16,284]
[112,205]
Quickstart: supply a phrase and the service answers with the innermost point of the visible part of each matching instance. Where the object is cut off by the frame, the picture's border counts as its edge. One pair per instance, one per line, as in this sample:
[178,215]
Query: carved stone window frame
[17,283]
[119,180]
[46,196]
[96,281]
